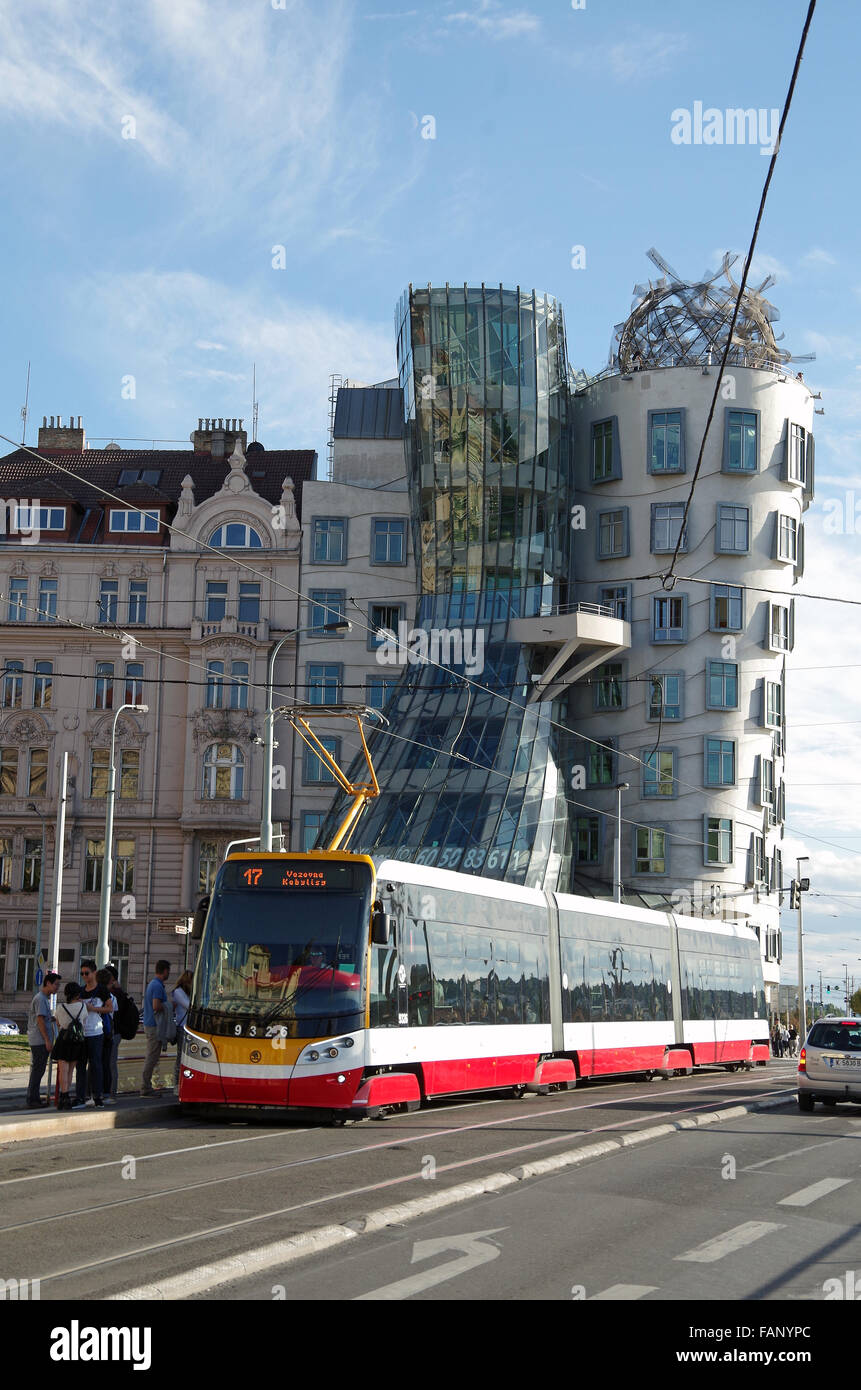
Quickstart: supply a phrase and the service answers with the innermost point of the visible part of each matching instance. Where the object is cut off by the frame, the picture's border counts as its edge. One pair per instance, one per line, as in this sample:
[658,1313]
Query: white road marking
[791,1153]
[806,1195]
[477,1250]
[619,1293]
[730,1241]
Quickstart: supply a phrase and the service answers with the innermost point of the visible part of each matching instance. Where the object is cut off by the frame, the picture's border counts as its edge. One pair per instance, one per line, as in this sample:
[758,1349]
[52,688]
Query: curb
[271,1256]
[85,1122]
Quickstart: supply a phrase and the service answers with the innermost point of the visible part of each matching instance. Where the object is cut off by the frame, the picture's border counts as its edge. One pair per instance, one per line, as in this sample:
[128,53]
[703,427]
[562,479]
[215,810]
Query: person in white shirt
[67,1051]
[93,996]
[181,996]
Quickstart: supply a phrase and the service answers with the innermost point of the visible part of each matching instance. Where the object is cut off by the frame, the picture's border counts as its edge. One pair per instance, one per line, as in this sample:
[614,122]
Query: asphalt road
[96,1214]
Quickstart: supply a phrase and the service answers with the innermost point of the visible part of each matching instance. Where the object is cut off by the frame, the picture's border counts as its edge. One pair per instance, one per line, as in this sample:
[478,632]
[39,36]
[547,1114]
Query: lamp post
[802,886]
[31,806]
[617,850]
[269,725]
[105,907]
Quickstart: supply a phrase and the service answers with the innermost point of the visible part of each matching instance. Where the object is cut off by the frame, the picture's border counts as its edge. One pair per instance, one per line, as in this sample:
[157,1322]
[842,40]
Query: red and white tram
[333,983]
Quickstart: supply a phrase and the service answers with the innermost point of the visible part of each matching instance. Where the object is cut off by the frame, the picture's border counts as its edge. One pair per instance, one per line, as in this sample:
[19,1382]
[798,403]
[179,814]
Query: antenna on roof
[254,406]
[25,409]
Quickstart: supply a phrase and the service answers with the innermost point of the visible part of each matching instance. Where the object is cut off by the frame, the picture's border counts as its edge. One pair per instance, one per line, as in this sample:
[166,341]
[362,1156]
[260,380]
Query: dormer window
[134,521]
[236,536]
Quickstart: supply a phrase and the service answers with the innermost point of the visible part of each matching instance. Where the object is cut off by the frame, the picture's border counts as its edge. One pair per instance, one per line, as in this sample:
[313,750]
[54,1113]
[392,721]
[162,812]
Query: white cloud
[645,54]
[210,347]
[816,256]
[496,22]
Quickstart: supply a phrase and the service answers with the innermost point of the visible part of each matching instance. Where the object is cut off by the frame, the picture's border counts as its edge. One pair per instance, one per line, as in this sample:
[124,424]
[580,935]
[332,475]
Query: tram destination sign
[302,875]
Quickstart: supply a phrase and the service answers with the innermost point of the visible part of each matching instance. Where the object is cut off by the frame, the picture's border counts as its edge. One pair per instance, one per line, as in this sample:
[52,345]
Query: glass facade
[481,786]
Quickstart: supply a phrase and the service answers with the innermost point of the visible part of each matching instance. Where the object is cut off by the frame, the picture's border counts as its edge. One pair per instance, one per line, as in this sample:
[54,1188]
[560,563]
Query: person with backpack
[181,995]
[93,995]
[125,1020]
[70,1046]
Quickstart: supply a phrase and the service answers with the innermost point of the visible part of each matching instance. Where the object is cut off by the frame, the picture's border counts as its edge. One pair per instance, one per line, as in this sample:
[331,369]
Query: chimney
[217,436]
[62,438]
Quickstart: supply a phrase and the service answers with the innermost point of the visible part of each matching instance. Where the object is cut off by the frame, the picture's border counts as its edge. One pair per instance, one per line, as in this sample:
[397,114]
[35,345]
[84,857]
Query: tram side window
[576,998]
[650,971]
[506,955]
[448,981]
[384,987]
[415,957]
[478,973]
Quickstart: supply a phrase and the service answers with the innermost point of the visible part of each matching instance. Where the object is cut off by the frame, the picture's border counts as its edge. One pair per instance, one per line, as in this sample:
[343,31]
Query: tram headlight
[205,1051]
[313,1056]
[193,1049]
[333,1051]
[346,1042]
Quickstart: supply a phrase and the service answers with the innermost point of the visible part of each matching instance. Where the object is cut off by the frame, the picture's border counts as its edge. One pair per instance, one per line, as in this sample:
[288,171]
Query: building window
[216,600]
[665,695]
[5,861]
[43,682]
[650,850]
[721,685]
[2,963]
[133,522]
[17,611]
[43,519]
[757,859]
[609,686]
[249,603]
[25,981]
[326,606]
[323,683]
[37,774]
[207,866]
[8,771]
[780,638]
[617,597]
[314,770]
[137,600]
[134,683]
[214,684]
[236,536]
[601,764]
[766,782]
[606,456]
[124,873]
[104,698]
[796,455]
[787,538]
[329,541]
[99,772]
[311,823]
[719,762]
[130,773]
[666,441]
[378,689]
[776,884]
[108,599]
[732,529]
[613,540]
[772,705]
[669,618]
[741,445]
[13,685]
[667,527]
[47,600]
[383,621]
[659,772]
[727,607]
[388,541]
[32,874]
[223,772]
[239,685]
[93,866]
[718,840]
[587,839]
[780,809]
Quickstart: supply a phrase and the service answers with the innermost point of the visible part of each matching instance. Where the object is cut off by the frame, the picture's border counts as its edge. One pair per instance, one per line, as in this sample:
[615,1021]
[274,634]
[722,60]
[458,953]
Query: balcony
[203,628]
[565,647]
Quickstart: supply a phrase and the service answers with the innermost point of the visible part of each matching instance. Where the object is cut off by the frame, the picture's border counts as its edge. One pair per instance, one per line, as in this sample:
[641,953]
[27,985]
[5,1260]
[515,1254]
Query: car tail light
[802,1061]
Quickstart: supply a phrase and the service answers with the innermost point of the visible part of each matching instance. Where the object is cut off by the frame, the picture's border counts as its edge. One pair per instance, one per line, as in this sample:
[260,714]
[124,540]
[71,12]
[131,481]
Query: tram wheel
[518,1092]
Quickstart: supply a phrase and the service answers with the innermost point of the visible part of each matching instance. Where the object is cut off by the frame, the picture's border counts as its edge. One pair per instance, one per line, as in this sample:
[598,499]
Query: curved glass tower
[479,786]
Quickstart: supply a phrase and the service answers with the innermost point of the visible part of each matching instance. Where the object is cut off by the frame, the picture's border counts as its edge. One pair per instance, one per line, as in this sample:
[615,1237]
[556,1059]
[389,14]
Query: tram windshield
[289,944]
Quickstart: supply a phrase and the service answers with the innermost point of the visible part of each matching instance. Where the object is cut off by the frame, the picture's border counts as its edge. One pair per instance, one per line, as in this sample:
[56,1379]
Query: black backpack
[127,1016]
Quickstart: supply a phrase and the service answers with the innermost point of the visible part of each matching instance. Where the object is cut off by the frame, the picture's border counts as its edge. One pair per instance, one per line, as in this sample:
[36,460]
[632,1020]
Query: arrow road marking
[476,1250]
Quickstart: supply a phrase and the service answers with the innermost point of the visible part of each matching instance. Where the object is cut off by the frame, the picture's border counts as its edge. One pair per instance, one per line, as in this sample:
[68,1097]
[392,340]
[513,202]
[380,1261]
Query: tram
[349,986]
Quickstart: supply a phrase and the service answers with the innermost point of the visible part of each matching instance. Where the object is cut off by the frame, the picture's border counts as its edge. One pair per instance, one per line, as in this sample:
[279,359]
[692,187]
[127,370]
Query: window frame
[722,862]
[312,760]
[400,523]
[720,548]
[772,643]
[720,754]
[615,472]
[374,641]
[48,614]
[651,761]
[109,589]
[316,522]
[650,831]
[142,530]
[333,601]
[138,590]
[654,519]
[600,680]
[677,632]
[623,595]
[247,543]
[309,688]
[304,827]
[625,550]
[710,705]
[781,533]
[666,472]
[19,594]
[664,717]
[725,464]
[735,595]
[211,766]
[789,473]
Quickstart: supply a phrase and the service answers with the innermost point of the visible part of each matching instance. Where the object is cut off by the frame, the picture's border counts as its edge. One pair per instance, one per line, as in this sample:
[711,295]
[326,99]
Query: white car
[829,1068]
[8,1026]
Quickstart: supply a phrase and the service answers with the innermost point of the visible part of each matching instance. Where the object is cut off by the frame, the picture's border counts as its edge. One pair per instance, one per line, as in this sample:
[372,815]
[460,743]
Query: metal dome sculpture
[679,323]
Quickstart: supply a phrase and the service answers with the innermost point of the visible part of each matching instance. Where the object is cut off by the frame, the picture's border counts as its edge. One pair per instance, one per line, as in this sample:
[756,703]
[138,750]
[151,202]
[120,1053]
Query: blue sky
[257,127]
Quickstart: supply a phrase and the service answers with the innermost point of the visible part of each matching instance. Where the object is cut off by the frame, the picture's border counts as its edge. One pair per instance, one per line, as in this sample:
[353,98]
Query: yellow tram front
[279,1009]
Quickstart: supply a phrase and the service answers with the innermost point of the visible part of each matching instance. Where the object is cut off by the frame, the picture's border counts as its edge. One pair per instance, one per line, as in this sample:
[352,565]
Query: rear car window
[836,1037]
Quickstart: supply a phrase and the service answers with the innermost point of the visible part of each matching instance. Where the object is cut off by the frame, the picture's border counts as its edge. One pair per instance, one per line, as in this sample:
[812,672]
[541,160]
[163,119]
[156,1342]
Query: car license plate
[841,1062]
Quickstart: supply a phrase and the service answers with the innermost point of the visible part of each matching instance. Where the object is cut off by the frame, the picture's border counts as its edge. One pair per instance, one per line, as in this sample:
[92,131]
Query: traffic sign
[39,977]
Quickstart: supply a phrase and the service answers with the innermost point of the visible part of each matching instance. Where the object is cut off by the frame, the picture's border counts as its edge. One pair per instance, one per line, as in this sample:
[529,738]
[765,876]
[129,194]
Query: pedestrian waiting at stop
[89,1076]
[70,1046]
[112,1075]
[181,995]
[155,1003]
[40,1036]
[103,983]
[793,1040]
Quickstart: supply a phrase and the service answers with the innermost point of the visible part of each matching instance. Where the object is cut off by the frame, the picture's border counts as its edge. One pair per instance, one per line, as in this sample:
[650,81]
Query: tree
[855,1002]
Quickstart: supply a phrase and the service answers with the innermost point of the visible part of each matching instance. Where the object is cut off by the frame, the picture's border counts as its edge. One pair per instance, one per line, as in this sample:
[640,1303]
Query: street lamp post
[617,850]
[105,907]
[802,1005]
[269,725]
[41,909]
